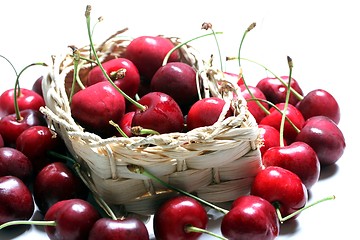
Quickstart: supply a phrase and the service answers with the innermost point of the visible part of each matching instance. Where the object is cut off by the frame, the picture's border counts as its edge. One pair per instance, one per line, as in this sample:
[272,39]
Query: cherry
[250,217]
[13,162]
[16,202]
[205,112]
[162,113]
[1,141]
[275,90]
[299,158]
[114,229]
[319,102]
[253,107]
[325,137]
[56,182]
[37,86]
[126,122]
[173,217]
[73,219]
[148,53]
[94,106]
[178,80]
[35,142]
[11,126]
[270,137]
[281,187]
[121,71]
[292,113]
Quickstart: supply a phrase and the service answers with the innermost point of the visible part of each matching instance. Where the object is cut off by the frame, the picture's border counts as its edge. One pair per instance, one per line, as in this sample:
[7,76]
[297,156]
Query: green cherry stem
[123,134]
[252,26]
[283,219]
[88,22]
[24,222]
[207,26]
[141,170]
[190,228]
[166,58]
[282,123]
[17,88]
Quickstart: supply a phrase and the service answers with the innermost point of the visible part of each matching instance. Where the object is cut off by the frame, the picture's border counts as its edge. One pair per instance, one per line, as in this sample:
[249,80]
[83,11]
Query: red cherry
[35,142]
[74,219]
[13,162]
[126,122]
[325,137]
[274,119]
[205,112]
[127,228]
[299,158]
[250,218]
[121,71]
[252,105]
[162,113]
[270,137]
[173,217]
[94,106]
[319,102]
[178,80]
[280,187]
[16,202]
[37,86]
[1,141]
[275,91]
[11,127]
[148,53]
[27,99]
[56,182]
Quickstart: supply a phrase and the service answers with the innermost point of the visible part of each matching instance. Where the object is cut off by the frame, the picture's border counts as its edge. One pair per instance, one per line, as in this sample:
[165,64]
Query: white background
[322,38]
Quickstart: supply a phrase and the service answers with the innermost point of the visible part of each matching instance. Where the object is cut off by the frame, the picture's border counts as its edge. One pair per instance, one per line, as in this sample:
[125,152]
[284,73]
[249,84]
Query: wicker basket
[217,163]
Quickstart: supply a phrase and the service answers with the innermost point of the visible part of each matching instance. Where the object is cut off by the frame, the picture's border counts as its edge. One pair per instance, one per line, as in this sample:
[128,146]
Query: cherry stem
[282,123]
[207,26]
[166,58]
[22,222]
[118,128]
[96,196]
[141,170]
[87,15]
[190,228]
[252,26]
[293,91]
[283,219]
[17,89]
[138,130]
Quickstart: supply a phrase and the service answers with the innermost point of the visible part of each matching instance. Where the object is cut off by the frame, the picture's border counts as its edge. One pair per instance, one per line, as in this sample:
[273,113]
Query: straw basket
[217,163]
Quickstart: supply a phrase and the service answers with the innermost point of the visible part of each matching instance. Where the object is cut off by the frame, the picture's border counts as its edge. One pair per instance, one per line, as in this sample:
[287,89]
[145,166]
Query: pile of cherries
[146,91]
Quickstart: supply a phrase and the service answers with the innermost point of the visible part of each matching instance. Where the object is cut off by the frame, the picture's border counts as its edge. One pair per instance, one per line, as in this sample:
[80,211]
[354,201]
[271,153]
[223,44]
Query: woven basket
[217,163]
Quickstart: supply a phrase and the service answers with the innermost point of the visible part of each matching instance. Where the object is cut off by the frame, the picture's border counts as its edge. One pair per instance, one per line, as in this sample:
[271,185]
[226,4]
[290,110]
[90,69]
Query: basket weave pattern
[217,163]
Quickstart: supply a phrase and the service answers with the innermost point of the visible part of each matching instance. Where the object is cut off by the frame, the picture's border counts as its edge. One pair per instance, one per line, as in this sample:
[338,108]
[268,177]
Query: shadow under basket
[217,163]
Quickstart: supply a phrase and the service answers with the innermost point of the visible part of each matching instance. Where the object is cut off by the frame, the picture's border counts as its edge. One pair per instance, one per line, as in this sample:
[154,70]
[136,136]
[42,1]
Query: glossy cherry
[162,113]
[174,216]
[37,86]
[126,122]
[282,188]
[275,90]
[205,112]
[16,202]
[274,119]
[73,219]
[26,99]
[325,137]
[15,163]
[125,228]
[252,105]
[270,138]
[299,158]
[178,80]
[94,106]
[35,142]
[56,182]
[250,218]
[319,102]
[121,71]
[148,53]
[11,126]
